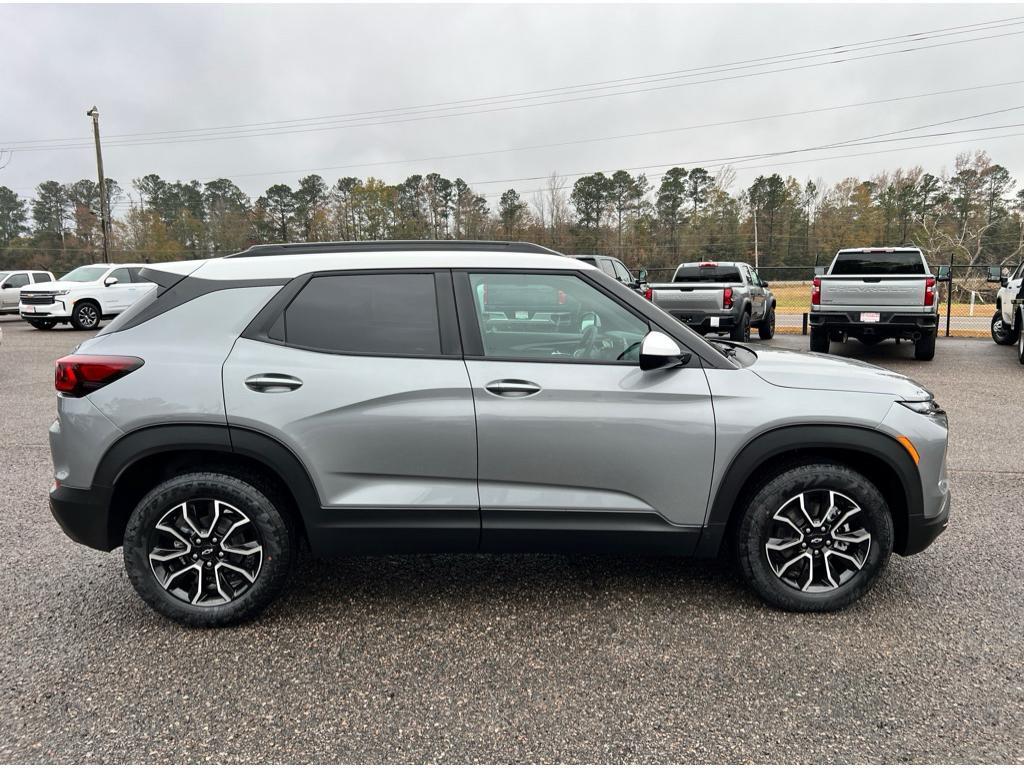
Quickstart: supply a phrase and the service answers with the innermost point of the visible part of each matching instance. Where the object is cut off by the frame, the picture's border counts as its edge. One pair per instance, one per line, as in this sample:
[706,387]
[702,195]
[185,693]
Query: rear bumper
[888,322]
[704,322]
[84,515]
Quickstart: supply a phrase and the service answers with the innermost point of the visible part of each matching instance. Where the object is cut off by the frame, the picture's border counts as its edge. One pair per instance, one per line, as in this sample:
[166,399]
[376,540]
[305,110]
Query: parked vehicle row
[1008,320]
[11,283]
[84,297]
[470,396]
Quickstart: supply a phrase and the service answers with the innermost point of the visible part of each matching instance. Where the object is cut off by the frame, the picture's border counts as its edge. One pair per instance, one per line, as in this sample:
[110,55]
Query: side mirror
[642,275]
[995,275]
[659,352]
[943,272]
[110,281]
[819,271]
[590,320]
[764,283]
[6,285]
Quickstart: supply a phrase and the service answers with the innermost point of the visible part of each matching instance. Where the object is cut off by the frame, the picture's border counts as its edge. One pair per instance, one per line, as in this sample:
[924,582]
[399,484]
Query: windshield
[878,263]
[84,274]
[707,274]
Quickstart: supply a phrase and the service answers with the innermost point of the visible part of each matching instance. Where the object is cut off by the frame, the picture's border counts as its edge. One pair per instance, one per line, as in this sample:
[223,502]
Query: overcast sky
[168,68]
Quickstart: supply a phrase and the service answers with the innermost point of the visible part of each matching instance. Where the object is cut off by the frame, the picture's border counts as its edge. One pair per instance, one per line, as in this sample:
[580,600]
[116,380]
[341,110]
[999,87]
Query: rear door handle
[272,382]
[512,388]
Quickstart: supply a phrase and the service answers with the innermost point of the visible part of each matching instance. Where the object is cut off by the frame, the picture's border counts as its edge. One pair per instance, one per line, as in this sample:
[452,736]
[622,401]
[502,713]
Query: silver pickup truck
[872,294]
[717,297]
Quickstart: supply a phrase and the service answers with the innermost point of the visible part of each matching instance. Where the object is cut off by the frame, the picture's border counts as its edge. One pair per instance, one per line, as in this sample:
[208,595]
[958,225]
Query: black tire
[870,341]
[1020,337]
[1001,333]
[774,499]
[741,331]
[766,329]
[86,316]
[924,348]
[819,340]
[266,523]
[42,325]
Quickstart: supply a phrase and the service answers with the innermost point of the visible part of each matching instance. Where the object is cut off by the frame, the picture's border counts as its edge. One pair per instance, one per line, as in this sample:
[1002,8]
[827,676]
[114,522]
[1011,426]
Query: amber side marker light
[905,442]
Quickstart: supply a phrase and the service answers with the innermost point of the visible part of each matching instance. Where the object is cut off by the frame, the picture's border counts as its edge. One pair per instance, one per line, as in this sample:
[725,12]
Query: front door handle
[272,382]
[512,388]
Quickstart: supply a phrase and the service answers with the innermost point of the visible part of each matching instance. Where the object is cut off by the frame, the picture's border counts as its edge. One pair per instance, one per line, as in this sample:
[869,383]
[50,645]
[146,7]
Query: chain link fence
[966,299]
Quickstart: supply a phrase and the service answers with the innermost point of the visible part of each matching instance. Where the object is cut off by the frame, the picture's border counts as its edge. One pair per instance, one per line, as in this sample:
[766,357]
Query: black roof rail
[357,246]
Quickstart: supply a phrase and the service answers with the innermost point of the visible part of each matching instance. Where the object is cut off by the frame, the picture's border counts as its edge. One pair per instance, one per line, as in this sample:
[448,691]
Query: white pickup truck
[1008,320]
[872,294]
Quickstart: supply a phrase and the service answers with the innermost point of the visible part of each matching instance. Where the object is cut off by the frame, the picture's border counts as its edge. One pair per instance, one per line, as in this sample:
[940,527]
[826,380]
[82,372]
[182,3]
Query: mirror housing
[5,285]
[641,276]
[819,271]
[764,283]
[659,352]
[110,281]
[943,272]
[995,275]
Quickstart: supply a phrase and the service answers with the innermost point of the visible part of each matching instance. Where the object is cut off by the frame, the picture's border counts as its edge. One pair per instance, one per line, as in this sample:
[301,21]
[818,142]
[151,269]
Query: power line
[254,133]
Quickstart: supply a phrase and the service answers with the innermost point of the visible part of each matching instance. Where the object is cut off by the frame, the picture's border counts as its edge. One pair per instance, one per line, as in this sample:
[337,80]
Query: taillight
[727,298]
[649,294]
[929,291]
[77,375]
[816,291]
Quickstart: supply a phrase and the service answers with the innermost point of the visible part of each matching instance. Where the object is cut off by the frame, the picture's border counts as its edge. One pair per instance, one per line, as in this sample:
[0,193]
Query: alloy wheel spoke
[250,576]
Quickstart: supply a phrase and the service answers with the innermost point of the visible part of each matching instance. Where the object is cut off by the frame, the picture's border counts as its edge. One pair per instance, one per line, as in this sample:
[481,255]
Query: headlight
[60,293]
[928,408]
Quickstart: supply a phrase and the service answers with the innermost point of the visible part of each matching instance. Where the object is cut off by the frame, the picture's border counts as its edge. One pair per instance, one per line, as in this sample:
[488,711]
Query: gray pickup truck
[717,297]
[873,294]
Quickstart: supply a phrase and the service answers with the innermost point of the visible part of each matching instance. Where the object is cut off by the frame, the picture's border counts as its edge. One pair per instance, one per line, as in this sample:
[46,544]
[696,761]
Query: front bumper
[84,515]
[922,531]
[57,309]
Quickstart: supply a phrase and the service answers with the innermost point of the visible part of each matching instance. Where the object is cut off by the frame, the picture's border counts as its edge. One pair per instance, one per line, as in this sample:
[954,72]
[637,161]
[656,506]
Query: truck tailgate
[704,298]
[888,291]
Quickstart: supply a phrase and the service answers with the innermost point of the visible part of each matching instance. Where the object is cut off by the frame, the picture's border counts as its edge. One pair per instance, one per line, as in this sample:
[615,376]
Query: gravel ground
[511,659]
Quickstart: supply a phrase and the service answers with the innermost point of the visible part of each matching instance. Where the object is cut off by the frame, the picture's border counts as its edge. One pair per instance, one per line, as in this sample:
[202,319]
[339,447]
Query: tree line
[971,215]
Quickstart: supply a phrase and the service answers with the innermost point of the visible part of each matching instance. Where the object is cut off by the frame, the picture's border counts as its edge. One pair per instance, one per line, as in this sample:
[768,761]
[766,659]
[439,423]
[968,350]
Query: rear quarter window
[716,274]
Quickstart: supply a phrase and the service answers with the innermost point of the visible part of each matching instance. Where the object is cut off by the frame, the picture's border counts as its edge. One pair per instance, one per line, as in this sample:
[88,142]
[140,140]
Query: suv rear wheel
[741,331]
[819,340]
[814,538]
[208,549]
[766,329]
[924,348]
[42,325]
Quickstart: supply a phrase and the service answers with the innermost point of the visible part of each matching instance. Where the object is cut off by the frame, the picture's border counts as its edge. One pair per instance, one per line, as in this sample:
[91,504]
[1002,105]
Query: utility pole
[104,206]
[755,240]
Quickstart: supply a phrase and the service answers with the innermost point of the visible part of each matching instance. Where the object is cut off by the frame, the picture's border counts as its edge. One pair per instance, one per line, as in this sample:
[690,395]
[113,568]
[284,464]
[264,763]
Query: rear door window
[878,263]
[41,277]
[382,314]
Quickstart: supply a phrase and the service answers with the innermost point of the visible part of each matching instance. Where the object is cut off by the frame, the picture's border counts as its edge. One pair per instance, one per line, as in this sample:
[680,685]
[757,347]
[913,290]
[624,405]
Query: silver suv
[362,397]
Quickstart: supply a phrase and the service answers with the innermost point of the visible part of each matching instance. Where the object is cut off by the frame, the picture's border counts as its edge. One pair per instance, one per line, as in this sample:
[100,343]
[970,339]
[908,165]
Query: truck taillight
[649,294]
[727,298]
[816,291]
[77,375]
[929,291]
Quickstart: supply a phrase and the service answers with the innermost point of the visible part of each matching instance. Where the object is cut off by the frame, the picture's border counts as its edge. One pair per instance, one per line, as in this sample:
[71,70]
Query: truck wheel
[208,549]
[1020,338]
[1002,333]
[814,538]
[741,331]
[86,316]
[766,329]
[819,340]
[924,348]
[42,325]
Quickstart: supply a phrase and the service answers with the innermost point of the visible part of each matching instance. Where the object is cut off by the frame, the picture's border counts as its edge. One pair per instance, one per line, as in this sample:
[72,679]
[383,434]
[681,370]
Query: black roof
[278,249]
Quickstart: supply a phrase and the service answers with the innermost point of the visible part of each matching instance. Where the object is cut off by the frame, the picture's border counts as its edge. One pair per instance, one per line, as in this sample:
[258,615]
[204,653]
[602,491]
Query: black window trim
[447,320]
[472,342]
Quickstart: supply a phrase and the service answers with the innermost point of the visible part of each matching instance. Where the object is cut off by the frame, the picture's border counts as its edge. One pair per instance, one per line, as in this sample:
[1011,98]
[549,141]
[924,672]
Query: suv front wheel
[208,549]
[814,538]
[86,316]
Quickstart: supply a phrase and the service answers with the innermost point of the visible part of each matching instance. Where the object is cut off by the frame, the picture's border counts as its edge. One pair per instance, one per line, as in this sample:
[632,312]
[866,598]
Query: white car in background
[84,297]
[11,283]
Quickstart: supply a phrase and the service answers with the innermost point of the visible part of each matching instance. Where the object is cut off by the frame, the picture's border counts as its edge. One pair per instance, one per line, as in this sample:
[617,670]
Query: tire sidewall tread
[277,535]
[758,509]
